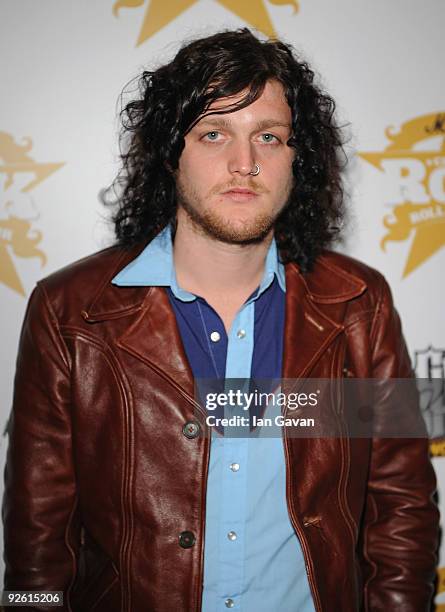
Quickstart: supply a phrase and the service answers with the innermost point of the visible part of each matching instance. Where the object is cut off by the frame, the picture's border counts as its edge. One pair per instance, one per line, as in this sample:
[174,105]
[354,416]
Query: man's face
[216,190]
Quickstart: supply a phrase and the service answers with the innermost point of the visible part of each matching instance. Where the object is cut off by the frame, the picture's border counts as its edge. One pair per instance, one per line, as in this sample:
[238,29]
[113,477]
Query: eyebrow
[222,122]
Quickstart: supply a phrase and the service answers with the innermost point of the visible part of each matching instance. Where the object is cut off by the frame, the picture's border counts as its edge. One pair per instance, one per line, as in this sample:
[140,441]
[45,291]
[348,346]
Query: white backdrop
[63,65]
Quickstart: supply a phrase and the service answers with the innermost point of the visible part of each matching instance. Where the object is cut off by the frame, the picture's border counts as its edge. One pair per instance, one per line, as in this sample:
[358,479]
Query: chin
[231,234]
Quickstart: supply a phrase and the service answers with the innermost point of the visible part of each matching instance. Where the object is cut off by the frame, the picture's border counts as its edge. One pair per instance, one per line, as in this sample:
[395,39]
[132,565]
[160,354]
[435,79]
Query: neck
[210,268]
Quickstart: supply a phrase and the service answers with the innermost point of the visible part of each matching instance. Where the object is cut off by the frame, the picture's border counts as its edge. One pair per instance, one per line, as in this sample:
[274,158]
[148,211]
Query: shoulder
[75,286]
[339,277]
[332,261]
[89,269]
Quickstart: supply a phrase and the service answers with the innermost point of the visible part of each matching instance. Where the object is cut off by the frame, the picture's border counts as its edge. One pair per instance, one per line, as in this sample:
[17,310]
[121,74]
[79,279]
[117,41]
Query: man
[118,492]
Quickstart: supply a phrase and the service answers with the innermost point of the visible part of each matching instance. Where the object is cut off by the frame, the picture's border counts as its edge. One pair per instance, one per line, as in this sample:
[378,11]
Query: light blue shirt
[252,556]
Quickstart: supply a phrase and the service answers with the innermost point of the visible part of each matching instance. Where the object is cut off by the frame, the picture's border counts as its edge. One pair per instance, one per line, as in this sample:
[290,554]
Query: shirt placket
[234,457]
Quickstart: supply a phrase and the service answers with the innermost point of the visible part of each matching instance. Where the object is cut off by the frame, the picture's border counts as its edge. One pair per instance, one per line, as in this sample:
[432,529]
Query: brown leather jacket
[101,479]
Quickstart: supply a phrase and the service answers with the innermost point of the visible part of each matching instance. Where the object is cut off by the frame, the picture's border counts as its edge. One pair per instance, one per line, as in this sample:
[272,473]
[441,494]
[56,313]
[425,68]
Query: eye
[267,138]
[211,135]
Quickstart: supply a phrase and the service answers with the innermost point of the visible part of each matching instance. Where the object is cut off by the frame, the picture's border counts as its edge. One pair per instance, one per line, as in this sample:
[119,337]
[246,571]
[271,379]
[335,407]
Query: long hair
[175,96]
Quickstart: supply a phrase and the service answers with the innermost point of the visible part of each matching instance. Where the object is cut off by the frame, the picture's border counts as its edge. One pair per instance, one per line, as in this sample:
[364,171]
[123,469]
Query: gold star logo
[17,237]
[159,13]
[440,607]
[414,163]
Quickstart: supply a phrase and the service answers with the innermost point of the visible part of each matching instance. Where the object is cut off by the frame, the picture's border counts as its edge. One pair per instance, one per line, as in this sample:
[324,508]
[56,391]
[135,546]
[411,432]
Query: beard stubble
[208,222]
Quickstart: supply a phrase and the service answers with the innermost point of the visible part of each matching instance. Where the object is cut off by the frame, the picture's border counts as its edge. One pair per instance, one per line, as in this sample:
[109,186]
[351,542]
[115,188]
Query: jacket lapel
[154,338]
[315,307]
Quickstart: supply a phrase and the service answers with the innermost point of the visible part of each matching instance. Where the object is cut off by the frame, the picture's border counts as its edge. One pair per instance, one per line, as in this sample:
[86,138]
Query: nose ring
[256,170]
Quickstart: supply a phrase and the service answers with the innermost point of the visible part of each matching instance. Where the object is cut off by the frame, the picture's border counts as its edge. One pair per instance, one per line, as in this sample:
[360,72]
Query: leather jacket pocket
[97,576]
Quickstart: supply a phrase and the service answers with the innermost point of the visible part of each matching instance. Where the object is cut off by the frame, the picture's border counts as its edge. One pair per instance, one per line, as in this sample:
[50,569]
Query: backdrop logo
[414,164]
[20,174]
[159,13]
[429,367]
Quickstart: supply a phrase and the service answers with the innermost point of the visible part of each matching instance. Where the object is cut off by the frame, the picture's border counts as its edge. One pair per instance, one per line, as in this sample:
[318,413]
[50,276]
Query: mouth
[240,194]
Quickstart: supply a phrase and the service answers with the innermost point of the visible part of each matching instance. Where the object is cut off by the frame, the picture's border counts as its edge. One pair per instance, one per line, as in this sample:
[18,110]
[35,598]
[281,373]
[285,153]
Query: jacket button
[186,539]
[191,429]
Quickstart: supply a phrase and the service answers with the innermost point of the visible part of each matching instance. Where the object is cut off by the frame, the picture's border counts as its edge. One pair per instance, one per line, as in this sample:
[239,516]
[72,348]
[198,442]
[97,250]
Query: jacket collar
[326,284]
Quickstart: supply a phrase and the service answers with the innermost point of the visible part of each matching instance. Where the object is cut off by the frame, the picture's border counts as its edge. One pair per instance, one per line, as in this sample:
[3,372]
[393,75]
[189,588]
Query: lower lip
[240,196]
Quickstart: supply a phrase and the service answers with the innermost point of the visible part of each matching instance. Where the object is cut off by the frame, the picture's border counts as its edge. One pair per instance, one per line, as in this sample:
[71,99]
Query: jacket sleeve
[41,530]
[400,528]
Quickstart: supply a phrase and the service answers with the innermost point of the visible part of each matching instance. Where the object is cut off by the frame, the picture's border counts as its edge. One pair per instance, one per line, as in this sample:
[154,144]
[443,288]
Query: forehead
[270,105]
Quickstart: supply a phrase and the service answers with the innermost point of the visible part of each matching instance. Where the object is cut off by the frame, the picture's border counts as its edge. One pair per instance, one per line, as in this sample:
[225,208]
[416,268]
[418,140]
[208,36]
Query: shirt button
[241,333]
[229,603]
[191,430]
[214,336]
[232,536]
[234,467]
[186,539]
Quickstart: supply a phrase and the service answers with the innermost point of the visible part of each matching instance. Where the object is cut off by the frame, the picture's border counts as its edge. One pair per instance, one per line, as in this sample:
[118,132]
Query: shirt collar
[155,267]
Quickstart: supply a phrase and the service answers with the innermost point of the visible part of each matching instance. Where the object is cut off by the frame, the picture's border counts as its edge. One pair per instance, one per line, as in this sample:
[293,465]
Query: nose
[241,159]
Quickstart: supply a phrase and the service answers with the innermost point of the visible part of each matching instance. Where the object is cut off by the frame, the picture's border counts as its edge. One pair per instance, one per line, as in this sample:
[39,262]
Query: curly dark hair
[173,98]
